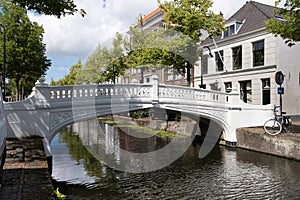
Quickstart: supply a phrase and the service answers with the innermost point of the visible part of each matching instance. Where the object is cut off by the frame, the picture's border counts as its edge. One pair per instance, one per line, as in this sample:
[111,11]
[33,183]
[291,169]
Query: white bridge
[49,109]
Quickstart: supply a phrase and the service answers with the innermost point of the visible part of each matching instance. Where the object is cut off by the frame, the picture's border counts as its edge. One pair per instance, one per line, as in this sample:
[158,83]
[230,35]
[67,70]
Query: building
[152,22]
[246,57]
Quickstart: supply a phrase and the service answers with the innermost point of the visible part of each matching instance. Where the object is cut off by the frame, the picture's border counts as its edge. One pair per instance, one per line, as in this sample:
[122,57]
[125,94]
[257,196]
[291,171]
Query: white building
[246,57]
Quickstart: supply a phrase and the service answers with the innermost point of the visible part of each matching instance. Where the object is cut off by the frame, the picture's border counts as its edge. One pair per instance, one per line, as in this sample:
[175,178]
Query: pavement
[26,175]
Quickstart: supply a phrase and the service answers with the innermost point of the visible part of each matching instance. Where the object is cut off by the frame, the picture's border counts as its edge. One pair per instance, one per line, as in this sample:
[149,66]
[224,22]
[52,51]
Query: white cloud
[74,37]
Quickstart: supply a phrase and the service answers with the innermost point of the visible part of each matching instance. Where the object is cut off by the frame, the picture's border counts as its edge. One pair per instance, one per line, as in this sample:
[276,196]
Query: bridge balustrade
[192,93]
[104,90]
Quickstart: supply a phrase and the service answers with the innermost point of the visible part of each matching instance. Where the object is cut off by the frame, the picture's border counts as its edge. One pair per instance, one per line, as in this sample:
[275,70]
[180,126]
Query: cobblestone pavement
[26,174]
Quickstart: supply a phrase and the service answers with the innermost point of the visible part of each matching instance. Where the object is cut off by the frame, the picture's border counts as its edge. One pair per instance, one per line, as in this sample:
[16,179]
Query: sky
[73,37]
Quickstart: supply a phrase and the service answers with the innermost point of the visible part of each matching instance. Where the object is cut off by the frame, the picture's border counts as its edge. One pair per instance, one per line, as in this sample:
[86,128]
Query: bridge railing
[59,93]
[192,93]
[153,91]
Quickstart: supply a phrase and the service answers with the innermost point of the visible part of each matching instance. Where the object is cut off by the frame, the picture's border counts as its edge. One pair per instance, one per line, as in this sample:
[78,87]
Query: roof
[253,14]
[152,14]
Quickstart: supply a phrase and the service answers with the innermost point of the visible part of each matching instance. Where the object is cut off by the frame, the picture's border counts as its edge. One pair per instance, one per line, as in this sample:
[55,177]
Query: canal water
[225,173]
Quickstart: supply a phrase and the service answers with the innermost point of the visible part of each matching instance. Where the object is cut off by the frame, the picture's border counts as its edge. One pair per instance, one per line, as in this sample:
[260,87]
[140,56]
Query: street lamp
[4,61]
[202,64]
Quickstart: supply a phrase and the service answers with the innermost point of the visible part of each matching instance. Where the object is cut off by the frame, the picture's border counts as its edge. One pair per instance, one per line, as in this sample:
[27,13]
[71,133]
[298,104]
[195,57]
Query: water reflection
[223,174]
[119,149]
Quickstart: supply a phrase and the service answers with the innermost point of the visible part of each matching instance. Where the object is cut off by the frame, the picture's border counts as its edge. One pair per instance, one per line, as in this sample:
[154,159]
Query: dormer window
[232,28]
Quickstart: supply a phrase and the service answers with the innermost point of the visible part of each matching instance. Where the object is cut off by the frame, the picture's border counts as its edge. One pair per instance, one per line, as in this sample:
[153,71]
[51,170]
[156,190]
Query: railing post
[41,89]
[234,98]
[155,88]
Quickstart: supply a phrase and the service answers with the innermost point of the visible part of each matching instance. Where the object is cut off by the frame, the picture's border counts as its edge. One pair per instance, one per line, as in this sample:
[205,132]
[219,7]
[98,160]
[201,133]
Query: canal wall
[184,127]
[254,138]
[284,145]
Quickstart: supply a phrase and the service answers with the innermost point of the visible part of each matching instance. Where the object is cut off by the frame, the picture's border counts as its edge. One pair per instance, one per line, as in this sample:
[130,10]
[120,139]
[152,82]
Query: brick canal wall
[26,174]
[285,145]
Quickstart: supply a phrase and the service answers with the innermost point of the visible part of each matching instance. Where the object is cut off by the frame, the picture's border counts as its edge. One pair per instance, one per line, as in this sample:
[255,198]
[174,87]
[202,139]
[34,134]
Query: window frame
[258,53]
[219,61]
[237,55]
[266,91]
[246,91]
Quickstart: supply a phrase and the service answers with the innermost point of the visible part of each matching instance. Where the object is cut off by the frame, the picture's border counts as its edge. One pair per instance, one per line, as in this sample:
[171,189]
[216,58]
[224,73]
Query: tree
[287,22]
[25,52]
[105,64]
[160,48]
[57,8]
[189,17]
[71,78]
[95,67]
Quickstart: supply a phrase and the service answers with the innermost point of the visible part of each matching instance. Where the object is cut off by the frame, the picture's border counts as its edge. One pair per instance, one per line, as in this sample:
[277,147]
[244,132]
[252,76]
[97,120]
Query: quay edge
[284,145]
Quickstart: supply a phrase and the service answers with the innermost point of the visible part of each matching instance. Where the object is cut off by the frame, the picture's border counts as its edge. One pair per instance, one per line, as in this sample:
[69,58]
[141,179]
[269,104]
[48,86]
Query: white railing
[192,94]
[98,91]
[133,90]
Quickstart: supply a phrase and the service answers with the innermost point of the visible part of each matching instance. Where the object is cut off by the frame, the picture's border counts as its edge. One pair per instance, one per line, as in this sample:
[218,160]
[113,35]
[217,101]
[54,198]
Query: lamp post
[202,63]
[4,61]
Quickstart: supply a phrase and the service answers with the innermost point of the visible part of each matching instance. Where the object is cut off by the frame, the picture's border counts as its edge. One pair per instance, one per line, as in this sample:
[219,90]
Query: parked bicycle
[279,124]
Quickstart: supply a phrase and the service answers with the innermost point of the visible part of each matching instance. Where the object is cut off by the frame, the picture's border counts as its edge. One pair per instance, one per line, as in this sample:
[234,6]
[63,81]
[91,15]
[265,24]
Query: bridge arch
[48,109]
[70,119]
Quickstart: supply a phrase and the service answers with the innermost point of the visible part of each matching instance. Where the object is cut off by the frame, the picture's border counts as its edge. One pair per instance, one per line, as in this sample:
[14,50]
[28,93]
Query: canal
[81,172]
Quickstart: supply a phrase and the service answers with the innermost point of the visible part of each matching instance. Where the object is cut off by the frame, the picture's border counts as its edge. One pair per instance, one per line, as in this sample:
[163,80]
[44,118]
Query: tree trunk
[18,88]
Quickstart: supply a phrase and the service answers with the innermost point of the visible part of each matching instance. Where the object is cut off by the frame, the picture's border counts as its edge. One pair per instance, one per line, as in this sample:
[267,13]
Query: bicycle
[280,123]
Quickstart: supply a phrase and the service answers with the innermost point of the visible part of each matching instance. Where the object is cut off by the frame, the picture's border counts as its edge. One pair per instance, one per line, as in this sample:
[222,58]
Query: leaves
[189,17]
[57,8]
[25,52]
[71,78]
[286,22]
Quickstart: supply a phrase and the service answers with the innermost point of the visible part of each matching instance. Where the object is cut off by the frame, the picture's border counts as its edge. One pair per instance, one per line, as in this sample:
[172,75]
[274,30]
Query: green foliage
[57,8]
[176,47]
[289,26]
[25,52]
[71,78]
[105,64]
[59,195]
[140,114]
[161,48]
[189,17]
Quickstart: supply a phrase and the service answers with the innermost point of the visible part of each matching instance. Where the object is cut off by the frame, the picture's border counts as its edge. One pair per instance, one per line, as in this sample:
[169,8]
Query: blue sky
[73,38]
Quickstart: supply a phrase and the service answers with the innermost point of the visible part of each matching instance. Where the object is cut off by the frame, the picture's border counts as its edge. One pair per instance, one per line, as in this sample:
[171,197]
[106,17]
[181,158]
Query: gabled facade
[246,57]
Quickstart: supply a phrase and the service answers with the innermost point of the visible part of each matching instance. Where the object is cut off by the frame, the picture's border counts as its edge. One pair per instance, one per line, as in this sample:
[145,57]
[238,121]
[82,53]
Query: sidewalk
[26,174]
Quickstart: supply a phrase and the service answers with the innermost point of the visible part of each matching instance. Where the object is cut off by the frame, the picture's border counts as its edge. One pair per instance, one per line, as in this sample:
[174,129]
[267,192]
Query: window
[266,92]
[204,65]
[134,71]
[237,57]
[219,60]
[230,30]
[178,76]
[228,87]
[246,91]
[215,86]
[258,53]
[170,74]
[147,80]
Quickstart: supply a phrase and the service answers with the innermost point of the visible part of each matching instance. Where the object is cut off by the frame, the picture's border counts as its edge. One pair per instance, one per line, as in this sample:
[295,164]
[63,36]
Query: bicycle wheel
[272,127]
